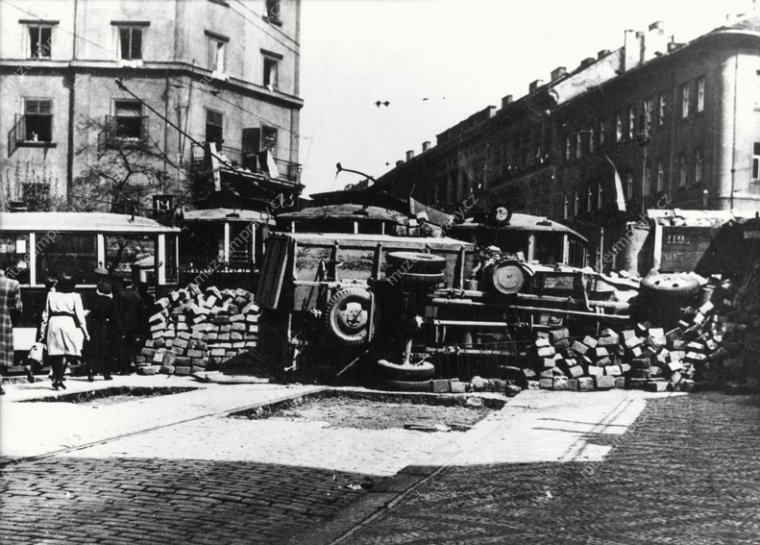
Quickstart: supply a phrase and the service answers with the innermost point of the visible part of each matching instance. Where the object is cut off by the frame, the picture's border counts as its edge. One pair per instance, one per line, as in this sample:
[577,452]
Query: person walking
[10,309]
[132,321]
[102,326]
[103,278]
[64,328]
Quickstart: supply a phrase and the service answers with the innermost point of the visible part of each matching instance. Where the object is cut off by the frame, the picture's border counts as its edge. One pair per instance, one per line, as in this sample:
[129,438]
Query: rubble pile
[193,330]
[708,347]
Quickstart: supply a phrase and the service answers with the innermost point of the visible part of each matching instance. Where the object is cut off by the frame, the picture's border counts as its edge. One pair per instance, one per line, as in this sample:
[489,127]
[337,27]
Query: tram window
[125,252]
[202,246]
[172,273]
[72,253]
[240,244]
[14,256]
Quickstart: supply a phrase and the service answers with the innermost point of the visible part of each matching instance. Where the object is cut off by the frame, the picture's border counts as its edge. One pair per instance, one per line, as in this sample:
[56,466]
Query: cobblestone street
[618,468]
[687,472]
[83,500]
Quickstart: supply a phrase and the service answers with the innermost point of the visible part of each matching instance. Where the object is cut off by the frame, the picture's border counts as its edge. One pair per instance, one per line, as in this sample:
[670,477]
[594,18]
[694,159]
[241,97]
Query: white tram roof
[100,222]
[523,222]
[228,215]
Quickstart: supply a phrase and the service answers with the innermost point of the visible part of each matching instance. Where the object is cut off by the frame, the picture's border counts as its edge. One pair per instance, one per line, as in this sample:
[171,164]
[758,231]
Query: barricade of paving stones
[193,330]
[77,500]
[687,473]
[707,348]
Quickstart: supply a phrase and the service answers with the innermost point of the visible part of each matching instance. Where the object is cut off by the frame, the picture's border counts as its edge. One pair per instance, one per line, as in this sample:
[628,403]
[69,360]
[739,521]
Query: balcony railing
[200,158]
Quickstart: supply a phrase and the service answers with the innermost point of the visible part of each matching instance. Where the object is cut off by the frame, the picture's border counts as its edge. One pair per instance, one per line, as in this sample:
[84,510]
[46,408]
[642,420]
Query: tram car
[534,238]
[35,246]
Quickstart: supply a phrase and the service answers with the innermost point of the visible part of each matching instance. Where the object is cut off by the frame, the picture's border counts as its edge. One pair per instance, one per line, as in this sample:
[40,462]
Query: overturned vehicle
[385,297]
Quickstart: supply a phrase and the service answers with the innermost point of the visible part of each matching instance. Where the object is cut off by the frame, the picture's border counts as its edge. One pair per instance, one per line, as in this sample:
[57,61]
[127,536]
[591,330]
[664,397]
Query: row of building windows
[130,39]
[128,122]
[654,183]
[653,113]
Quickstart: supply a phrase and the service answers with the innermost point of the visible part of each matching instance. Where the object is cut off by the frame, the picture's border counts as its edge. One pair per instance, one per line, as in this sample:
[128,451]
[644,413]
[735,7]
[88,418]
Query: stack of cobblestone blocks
[193,330]
[709,347]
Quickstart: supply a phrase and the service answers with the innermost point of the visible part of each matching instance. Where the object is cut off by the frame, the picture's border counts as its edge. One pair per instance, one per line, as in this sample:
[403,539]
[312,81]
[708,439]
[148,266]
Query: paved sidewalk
[32,429]
[546,426]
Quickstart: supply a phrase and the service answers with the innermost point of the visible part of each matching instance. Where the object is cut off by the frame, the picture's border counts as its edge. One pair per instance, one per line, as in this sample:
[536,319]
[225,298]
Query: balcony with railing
[200,159]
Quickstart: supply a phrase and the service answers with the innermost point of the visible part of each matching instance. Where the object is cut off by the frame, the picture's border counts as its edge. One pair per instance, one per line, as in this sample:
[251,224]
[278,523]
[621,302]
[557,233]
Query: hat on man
[104,288]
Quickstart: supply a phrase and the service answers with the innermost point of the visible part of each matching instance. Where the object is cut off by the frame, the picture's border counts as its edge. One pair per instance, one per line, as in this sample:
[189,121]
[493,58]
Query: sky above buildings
[438,61]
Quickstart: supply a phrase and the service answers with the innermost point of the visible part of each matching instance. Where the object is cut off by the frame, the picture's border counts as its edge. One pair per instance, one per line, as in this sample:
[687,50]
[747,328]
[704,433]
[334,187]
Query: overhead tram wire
[143,102]
[124,88]
[173,80]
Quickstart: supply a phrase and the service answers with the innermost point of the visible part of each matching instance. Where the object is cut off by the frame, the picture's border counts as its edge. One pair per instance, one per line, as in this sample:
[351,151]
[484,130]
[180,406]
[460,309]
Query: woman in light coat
[63,328]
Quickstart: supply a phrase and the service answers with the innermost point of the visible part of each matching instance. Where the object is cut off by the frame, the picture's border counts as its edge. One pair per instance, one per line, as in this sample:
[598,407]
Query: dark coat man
[104,334]
[132,318]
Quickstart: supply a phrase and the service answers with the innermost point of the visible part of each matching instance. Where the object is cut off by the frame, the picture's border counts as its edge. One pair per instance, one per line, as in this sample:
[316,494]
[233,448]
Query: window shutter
[136,52]
[211,54]
[16,134]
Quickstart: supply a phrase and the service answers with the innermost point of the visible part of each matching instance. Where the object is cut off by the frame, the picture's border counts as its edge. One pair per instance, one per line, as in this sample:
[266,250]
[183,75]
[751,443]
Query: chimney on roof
[602,53]
[535,85]
[399,163]
[506,101]
[409,154]
[641,38]
[588,61]
[558,73]
[631,50]
[425,146]
[673,45]
[655,41]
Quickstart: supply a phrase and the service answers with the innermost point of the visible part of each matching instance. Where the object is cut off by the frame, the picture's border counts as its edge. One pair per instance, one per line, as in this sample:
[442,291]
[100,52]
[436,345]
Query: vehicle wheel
[671,283]
[347,315]
[421,371]
[415,262]
[500,215]
[407,385]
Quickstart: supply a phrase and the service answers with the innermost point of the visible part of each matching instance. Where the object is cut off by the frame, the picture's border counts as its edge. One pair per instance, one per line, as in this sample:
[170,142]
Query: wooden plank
[273,275]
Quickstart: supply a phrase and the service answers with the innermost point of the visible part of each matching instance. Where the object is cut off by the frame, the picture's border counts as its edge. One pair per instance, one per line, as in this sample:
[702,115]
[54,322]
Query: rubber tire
[331,315]
[671,283]
[422,371]
[407,385]
[415,262]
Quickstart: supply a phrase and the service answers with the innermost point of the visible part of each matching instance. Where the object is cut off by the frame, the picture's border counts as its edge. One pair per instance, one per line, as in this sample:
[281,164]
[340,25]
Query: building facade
[678,123]
[194,72]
